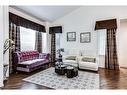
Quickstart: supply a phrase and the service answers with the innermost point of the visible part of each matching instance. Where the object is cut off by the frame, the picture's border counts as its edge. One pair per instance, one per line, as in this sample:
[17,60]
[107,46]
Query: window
[44,42]
[27,38]
[101,41]
[58,41]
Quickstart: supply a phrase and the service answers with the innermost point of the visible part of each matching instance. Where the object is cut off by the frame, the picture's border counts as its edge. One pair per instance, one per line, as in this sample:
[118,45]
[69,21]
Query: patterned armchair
[28,61]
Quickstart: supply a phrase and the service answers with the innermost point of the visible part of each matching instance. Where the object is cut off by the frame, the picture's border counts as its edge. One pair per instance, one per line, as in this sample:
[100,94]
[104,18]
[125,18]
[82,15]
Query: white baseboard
[1,85]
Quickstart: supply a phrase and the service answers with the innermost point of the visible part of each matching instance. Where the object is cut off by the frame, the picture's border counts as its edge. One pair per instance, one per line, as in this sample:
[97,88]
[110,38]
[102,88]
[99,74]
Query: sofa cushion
[72,64]
[89,59]
[28,55]
[69,61]
[71,58]
[31,61]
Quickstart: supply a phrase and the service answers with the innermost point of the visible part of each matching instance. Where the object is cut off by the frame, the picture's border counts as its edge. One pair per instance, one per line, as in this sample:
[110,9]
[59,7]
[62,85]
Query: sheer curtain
[44,41]
[101,36]
[57,42]
[33,40]
[101,42]
[27,37]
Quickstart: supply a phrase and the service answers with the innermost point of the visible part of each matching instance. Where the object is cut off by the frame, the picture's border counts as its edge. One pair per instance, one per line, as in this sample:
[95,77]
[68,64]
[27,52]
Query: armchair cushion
[70,62]
[88,59]
[71,58]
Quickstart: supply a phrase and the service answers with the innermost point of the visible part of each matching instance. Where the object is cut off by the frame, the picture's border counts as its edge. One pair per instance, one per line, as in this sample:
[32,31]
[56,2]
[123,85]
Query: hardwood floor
[15,81]
[109,79]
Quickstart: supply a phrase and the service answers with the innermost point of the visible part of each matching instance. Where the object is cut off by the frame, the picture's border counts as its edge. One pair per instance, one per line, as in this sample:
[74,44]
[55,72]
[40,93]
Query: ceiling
[46,13]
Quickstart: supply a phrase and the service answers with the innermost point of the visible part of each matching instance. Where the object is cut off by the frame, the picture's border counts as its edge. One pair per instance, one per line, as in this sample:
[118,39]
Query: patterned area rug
[49,78]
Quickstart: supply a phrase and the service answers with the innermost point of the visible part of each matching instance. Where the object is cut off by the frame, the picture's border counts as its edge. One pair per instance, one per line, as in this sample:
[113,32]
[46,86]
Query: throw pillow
[71,58]
[88,59]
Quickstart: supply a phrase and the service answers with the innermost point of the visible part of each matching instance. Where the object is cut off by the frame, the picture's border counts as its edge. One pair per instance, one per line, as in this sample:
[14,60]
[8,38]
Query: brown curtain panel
[53,47]
[14,34]
[53,30]
[111,60]
[20,21]
[38,42]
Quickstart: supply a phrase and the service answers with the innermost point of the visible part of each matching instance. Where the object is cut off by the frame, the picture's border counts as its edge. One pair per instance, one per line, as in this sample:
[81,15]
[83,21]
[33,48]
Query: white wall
[83,20]
[122,40]
[77,22]
[1,46]
[6,35]
[3,31]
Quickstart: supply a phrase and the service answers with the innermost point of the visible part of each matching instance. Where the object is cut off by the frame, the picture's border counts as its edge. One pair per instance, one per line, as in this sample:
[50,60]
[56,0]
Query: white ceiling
[46,13]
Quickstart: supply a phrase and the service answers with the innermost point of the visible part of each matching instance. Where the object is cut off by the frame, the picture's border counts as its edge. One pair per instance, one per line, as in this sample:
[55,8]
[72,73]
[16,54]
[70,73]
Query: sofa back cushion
[71,58]
[28,55]
[89,59]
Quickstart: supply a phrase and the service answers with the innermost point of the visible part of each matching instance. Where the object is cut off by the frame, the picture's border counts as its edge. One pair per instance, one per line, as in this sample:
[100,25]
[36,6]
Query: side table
[70,70]
[60,70]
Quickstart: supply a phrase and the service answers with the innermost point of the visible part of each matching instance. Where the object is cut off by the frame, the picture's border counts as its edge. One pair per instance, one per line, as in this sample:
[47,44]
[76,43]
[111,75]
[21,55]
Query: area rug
[48,78]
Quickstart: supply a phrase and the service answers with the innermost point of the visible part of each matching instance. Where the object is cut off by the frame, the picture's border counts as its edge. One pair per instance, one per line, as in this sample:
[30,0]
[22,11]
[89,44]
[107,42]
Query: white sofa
[88,65]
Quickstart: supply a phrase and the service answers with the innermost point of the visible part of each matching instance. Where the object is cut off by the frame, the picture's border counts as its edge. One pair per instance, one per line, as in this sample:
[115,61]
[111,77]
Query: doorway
[122,43]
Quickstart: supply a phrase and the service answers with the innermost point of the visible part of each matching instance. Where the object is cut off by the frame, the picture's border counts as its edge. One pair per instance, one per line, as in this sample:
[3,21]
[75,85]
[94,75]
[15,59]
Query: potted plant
[8,44]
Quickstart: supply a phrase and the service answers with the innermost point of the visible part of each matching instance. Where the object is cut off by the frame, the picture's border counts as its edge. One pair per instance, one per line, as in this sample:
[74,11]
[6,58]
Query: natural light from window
[27,38]
[58,40]
[44,42]
[101,41]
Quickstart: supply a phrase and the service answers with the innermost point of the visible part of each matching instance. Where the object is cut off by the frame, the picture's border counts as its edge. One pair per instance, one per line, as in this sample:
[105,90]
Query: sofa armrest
[16,58]
[79,58]
[44,56]
[97,61]
[64,57]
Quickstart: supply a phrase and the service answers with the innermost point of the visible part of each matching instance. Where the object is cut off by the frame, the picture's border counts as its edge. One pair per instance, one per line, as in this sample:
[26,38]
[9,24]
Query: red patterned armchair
[28,61]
